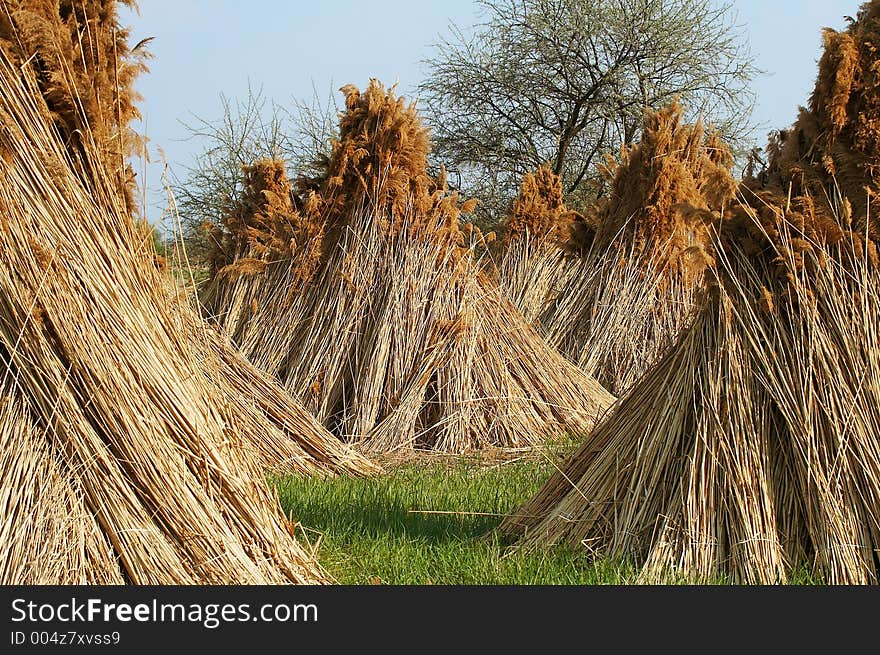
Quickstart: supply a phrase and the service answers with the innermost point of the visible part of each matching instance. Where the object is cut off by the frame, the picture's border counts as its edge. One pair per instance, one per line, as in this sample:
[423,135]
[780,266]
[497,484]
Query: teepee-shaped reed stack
[750,450]
[534,263]
[134,442]
[364,298]
[625,272]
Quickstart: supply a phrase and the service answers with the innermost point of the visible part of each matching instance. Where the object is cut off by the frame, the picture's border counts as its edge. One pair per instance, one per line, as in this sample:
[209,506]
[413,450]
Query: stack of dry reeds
[750,450]
[80,48]
[639,253]
[831,152]
[266,227]
[394,338]
[85,69]
[534,263]
[134,440]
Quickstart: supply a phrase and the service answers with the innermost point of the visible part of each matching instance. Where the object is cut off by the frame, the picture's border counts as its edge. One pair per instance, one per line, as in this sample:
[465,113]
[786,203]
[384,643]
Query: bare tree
[566,81]
[248,130]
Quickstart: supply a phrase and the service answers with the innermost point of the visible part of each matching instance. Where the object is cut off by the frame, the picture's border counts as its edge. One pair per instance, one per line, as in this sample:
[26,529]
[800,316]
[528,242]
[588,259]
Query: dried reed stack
[832,151]
[265,228]
[67,49]
[643,248]
[149,453]
[85,68]
[396,340]
[665,191]
[277,431]
[534,264]
[750,450]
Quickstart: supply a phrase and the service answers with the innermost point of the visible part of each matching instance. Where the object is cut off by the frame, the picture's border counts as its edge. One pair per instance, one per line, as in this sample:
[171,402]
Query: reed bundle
[393,338]
[832,151]
[749,450]
[617,312]
[134,440]
[612,288]
[534,260]
[85,69]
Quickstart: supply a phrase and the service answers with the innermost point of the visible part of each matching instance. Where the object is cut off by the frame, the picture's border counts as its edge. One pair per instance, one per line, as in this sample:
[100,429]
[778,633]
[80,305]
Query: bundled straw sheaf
[85,69]
[268,226]
[398,340]
[832,153]
[664,192]
[148,434]
[642,249]
[539,211]
[534,264]
[278,431]
[749,452]
[265,225]
[381,158]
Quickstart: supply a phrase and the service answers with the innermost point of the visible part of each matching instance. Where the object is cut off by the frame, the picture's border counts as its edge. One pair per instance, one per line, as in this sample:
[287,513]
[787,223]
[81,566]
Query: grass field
[428,522]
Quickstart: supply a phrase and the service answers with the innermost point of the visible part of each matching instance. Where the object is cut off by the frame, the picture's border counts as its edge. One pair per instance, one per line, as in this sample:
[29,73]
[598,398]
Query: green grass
[379,530]
[382,530]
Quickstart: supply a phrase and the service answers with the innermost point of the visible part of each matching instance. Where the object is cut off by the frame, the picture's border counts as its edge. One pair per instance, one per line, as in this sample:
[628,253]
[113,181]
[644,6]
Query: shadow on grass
[374,509]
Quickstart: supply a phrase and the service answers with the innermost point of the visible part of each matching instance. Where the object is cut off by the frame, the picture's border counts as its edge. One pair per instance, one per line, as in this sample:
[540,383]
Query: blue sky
[206,47]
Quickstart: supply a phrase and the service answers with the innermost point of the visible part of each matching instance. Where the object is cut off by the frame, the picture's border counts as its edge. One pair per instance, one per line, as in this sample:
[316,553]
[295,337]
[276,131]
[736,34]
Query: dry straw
[831,153]
[750,450]
[142,437]
[393,337]
[613,287]
[534,265]
[47,532]
[85,69]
